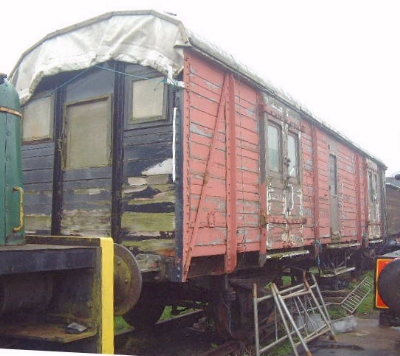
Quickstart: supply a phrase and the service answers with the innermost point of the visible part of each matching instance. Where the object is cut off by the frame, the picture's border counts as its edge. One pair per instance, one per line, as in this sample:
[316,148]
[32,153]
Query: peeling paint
[164,167]
[89,191]
[201,130]
[136,189]
[148,221]
[137,181]
[37,222]
[161,246]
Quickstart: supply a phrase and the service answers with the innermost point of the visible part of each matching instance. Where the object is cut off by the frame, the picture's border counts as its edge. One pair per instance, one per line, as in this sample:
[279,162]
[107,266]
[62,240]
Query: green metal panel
[11,193]
[2,176]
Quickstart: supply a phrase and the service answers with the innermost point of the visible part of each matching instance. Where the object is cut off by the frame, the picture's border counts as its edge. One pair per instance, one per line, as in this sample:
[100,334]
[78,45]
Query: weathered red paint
[227,199]
[231,178]
[315,192]
[221,165]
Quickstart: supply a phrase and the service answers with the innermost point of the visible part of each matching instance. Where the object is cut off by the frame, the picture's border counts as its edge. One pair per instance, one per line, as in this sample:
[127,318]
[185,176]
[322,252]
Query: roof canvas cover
[144,37]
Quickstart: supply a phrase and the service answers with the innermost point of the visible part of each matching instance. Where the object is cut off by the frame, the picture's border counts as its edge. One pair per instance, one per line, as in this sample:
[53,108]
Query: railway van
[138,129]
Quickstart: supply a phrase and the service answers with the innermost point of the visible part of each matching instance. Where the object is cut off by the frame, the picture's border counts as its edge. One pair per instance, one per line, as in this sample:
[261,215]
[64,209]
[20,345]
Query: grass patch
[167,313]
[283,350]
[337,312]
[120,325]
[367,306]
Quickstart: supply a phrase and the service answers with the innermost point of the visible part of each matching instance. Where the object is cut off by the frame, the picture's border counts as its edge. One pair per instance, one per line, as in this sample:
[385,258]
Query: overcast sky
[340,59]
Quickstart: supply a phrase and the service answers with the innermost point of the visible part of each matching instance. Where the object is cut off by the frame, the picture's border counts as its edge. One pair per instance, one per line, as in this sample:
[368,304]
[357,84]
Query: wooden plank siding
[393,210]
[288,208]
[86,192]
[148,193]
[310,188]
[37,163]
[207,173]
[86,208]
[214,101]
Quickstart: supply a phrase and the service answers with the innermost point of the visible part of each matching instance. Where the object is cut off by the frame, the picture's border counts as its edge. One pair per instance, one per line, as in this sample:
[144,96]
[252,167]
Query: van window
[333,181]
[292,155]
[88,134]
[37,122]
[274,156]
[148,100]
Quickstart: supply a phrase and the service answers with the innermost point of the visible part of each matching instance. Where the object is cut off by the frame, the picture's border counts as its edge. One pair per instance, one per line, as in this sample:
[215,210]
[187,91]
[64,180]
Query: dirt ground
[368,339]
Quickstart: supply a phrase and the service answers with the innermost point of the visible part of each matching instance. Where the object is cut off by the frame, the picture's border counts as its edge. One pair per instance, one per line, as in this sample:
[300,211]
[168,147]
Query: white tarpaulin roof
[144,37]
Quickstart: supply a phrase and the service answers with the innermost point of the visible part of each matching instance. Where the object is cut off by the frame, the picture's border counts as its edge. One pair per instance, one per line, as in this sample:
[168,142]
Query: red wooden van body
[263,175]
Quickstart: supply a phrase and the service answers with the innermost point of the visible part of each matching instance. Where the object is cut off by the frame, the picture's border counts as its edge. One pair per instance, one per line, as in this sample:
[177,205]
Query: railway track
[179,336]
[233,348]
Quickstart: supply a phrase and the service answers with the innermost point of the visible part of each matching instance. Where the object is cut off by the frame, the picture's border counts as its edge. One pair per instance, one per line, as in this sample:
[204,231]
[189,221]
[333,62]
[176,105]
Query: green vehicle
[11,191]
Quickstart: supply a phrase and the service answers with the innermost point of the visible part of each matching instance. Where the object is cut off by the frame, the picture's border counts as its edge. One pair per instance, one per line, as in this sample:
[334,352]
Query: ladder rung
[357,295]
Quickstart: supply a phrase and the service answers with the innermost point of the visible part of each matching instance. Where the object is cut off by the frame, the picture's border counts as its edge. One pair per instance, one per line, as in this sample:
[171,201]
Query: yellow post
[107,295]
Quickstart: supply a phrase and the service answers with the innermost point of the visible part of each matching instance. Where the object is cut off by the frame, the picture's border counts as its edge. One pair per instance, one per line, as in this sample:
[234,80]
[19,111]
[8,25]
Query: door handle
[21,209]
